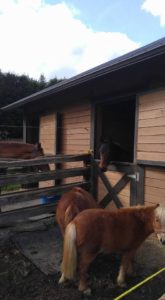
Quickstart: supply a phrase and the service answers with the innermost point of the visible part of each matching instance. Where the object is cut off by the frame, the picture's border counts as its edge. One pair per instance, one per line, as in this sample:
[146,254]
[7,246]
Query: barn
[124,99]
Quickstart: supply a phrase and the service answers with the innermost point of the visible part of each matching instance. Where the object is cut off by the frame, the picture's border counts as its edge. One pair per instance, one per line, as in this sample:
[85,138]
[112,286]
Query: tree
[12,88]
[42,81]
[54,81]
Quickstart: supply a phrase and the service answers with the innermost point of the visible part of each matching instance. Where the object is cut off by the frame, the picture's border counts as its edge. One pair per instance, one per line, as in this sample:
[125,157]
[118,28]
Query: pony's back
[71,203]
[20,150]
[114,230]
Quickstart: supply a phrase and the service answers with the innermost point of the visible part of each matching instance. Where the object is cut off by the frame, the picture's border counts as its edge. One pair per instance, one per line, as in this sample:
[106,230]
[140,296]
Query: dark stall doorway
[32,129]
[116,121]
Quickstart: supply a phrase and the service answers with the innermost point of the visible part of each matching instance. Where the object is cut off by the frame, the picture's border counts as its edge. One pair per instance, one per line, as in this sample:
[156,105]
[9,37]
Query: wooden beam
[117,188]
[107,184]
[58,143]
[122,168]
[19,197]
[7,163]
[151,163]
[106,200]
[140,185]
[14,217]
[42,176]
[24,129]
[133,192]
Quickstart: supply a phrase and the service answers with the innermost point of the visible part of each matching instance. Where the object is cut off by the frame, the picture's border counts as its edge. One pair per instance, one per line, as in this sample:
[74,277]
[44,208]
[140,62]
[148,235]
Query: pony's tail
[69,261]
[70,214]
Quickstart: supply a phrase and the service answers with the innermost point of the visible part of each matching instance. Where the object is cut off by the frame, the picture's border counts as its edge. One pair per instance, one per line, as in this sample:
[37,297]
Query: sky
[64,38]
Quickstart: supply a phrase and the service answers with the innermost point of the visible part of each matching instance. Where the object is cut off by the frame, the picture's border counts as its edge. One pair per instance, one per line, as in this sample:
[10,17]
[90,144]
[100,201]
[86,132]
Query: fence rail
[10,163]
[11,173]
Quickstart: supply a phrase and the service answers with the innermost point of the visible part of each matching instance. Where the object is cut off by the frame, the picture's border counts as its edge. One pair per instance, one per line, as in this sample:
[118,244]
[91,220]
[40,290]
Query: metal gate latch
[134,176]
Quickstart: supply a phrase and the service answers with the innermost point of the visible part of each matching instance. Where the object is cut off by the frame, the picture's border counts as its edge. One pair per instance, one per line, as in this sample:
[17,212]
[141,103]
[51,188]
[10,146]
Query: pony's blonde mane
[160,213]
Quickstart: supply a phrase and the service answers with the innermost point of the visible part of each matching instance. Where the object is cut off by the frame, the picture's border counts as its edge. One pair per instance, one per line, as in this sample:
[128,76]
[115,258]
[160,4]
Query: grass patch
[11,187]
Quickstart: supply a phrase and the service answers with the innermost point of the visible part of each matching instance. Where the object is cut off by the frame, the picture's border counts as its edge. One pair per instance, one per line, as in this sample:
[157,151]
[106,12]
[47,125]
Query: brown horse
[96,230]
[112,151]
[71,203]
[22,151]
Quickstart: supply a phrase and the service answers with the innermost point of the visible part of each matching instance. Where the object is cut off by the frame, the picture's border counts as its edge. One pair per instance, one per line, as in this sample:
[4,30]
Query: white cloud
[37,37]
[156,8]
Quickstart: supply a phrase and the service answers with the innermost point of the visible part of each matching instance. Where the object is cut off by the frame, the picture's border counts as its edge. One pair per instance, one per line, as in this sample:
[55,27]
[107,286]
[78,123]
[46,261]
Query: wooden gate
[89,173]
[132,173]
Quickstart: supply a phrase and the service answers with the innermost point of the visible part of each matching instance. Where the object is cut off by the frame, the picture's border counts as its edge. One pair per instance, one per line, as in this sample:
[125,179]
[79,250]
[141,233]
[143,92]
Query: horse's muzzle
[162,241]
[161,237]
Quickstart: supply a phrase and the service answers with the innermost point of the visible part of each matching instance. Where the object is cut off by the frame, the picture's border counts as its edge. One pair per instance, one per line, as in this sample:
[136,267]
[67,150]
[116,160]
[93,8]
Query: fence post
[86,176]
[140,185]
[93,179]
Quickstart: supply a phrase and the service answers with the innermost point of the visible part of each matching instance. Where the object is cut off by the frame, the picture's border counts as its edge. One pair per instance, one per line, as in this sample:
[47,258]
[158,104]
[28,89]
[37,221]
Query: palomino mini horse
[97,230]
[71,203]
[22,151]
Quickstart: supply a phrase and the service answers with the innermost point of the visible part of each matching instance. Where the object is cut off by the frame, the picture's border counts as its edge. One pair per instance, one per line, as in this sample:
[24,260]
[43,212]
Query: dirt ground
[20,279]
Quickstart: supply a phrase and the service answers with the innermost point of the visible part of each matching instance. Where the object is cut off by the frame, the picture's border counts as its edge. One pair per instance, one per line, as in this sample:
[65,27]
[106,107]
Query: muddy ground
[20,279]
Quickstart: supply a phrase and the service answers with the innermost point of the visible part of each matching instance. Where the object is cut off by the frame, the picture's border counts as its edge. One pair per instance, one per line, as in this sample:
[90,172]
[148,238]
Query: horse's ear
[144,213]
[156,205]
[38,146]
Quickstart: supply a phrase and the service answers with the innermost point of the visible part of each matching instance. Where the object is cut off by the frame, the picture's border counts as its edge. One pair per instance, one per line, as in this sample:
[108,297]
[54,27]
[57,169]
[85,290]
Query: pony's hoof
[62,279]
[121,284]
[87,292]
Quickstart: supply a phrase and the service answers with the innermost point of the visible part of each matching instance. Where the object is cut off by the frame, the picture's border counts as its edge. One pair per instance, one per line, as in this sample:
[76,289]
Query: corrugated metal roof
[133,57]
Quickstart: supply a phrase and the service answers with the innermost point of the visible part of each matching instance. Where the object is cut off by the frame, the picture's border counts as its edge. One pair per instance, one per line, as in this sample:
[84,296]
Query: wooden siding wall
[151,126]
[124,194]
[76,130]
[76,123]
[47,138]
[47,133]
[154,186]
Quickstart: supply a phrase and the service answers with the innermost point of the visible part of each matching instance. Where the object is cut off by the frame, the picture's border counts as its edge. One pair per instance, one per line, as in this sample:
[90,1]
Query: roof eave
[122,62]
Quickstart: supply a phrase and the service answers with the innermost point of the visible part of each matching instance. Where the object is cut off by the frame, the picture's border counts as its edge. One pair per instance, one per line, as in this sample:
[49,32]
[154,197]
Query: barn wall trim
[151,163]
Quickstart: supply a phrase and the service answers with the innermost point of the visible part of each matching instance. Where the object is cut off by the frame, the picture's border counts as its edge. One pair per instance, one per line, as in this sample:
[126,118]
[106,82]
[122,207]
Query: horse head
[112,150]
[106,153]
[38,151]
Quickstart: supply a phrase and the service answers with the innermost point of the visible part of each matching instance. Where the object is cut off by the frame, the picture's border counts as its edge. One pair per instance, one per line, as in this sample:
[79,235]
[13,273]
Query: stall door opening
[116,123]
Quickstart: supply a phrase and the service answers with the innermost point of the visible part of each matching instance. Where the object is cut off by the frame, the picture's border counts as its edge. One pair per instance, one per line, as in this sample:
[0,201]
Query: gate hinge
[134,176]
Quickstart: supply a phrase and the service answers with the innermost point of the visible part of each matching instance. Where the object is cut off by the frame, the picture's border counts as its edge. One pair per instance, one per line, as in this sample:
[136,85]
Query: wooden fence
[11,173]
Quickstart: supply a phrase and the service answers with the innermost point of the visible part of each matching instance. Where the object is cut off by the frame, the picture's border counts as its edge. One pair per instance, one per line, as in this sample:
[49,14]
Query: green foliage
[53,81]
[12,88]
[11,188]
[42,81]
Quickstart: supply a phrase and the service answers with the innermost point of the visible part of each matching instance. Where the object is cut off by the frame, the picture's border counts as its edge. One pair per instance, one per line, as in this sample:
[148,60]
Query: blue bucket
[49,199]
